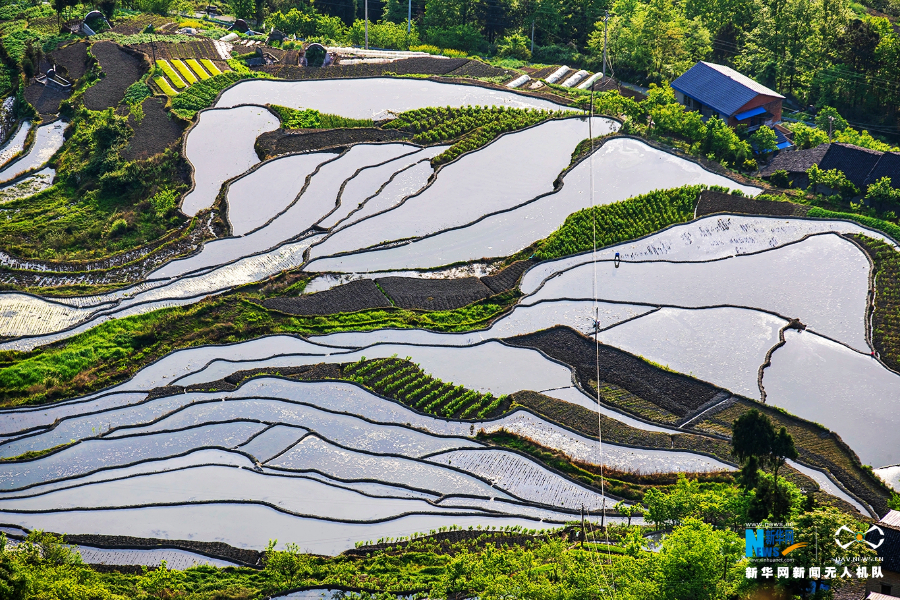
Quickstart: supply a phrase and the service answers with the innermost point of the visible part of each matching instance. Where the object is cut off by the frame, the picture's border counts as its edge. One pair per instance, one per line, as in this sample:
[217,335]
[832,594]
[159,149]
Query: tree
[882,192]
[806,136]
[243,9]
[782,449]
[817,529]
[695,560]
[634,510]
[764,141]
[108,8]
[514,46]
[294,22]
[748,477]
[834,181]
[830,117]
[495,17]
[752,436]
[652,41]
[755,443]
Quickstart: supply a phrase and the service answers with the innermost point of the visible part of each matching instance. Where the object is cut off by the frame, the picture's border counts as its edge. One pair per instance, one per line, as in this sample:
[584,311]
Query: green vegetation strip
[210,66]
[871,222]
[115,350]
[472,127]
[886,313]
[186,73]
[408,384]
[202,94]
[292,118]
[195,66]
[621,221]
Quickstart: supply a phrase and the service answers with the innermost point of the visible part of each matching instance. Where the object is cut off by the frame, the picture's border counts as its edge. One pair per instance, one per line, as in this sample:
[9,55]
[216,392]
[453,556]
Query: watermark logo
[766,543]
[846,537]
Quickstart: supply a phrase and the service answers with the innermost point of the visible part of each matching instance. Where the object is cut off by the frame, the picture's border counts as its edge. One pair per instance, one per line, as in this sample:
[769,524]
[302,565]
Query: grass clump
[137,92]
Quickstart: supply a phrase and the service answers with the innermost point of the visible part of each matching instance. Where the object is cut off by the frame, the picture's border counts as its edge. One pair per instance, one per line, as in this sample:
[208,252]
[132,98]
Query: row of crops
[620,221]
[886,316]
[178,75]
[472,126]
[406,382]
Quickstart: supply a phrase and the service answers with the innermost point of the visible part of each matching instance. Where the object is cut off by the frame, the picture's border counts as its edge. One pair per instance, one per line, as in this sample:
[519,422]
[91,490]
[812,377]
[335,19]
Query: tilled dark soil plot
[476,68]
[201,48]
[434,294]
[217,549]
[45,98]
[277,142]
[716,202]
[73,59]
[424,65]
[585,422]
[120,69]
[508,278]
[137,23]
[351,297]
[545,72]
[676,393]
[315,372]
[154,133]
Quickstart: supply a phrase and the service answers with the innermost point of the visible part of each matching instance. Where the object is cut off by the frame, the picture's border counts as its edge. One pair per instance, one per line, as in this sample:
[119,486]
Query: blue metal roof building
[718,90]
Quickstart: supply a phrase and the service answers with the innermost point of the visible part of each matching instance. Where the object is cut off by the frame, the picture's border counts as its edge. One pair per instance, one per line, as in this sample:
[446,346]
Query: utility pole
[830,126]
[409,19]
[583,531]
[605,19]
[532,37]
[367,24]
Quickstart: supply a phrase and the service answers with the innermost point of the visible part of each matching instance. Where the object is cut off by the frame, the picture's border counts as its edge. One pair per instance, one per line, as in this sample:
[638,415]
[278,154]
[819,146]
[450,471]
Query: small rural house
[862,166]
[888,585]
[715,89]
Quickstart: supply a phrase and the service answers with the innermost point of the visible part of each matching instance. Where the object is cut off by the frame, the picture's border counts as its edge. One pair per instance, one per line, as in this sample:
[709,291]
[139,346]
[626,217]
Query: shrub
[806,136]
[883,192]
[833,179]
[137,92]
[780,179]
[460,37]
[514,46]
[118,227]
[163,201]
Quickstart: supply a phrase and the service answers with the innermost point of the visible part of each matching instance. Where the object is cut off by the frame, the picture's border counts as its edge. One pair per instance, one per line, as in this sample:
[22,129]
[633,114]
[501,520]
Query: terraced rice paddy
[229,443]
[48,138]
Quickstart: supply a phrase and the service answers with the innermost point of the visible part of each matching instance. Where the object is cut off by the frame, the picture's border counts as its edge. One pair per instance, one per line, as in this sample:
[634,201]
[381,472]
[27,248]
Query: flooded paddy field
[366,432]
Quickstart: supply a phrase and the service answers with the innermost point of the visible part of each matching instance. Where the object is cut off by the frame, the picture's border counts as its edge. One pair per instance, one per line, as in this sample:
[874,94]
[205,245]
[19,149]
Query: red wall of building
[773,105]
